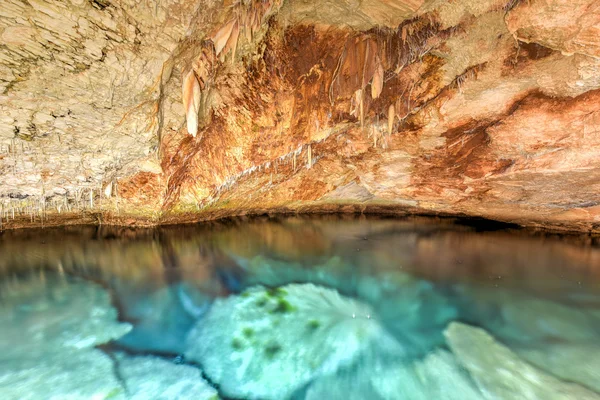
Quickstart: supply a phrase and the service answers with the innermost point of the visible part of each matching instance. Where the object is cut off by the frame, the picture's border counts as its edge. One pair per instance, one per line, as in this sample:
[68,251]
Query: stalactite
[358,100]
[377,83]
[221,36]
[374,137]
[309,156]
[117,197]
[391,116]
[108,190]
[191,101]
[245,17]
[294,163]
[232,42]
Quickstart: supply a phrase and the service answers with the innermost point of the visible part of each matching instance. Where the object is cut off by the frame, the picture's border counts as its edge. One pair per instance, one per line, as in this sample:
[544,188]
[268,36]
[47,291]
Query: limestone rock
[568,26]
[538,319]
[152,377]
[69,375]
[485,108]
[574,362]
[500,373]
[406,305]
[268,343]
[55,315]
[50,328]
[437,376]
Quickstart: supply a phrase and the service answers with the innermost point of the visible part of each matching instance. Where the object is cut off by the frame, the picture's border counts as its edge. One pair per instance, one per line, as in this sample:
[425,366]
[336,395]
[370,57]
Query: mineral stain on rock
[424,104]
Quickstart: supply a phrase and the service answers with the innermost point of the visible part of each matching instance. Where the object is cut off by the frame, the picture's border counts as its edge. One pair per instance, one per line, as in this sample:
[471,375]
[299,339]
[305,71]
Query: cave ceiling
[142,112]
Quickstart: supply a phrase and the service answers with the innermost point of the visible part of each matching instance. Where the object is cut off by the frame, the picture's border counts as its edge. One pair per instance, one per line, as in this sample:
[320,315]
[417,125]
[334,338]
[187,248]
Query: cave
[132,113]
[229,192]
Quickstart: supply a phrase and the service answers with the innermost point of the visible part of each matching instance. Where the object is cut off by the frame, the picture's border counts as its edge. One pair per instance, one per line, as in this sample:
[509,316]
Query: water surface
[300,308]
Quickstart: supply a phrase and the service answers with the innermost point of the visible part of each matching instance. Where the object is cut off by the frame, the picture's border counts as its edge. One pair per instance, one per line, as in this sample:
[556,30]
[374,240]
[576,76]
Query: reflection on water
[298,308]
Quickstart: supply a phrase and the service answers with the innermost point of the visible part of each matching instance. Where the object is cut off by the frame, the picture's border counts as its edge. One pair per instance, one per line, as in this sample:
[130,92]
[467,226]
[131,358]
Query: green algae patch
[271,350]
[237,343]
[313,325]
[283,306]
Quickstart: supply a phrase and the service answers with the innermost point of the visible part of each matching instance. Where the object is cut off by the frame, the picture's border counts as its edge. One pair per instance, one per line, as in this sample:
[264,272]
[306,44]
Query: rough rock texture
[578,363]
[51,326]
[86,374]
[486,108]
[151,377]
[501,374]
[269,343]
[49,315]
[436,376]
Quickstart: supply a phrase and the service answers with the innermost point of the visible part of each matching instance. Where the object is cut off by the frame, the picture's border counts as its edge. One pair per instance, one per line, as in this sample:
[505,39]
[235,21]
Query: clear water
[299,308]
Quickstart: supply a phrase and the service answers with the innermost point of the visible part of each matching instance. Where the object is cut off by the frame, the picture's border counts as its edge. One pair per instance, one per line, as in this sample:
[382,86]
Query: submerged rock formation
[436,376]
[270,343]
[151,377]
[51,326]
[124,112]
[499,373]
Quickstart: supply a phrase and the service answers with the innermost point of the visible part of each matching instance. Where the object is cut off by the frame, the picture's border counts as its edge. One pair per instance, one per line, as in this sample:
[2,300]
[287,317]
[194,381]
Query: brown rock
[412,106]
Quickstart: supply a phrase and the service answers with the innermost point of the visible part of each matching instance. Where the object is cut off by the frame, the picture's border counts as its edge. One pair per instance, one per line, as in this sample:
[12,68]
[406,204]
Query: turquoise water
[300,308]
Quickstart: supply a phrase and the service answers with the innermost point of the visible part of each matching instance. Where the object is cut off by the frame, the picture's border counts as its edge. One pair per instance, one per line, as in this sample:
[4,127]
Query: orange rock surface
[479,108]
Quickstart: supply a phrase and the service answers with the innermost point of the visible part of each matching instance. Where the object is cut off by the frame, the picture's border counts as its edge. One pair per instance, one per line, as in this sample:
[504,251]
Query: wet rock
[574,362]
[442,377]
[539,318]
[407,306]
[155,378]
[80,374]
[268,343]
[353,383]
[436,376]
[55,314]
[500,373]
[270,271]
[50,327]
[410,307]
[523,319]
[163,317]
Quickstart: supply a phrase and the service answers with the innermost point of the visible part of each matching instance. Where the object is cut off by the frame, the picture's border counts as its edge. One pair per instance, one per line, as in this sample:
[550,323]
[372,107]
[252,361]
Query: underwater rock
[261,270]
[538,318]
[411,308]
[354,383]
[268,343]
[55,314]
[164,318]
[158,379]
[437,376]
[50,325]
[575,362]
[501,374]
[67,375]
[522,319]
[443,378]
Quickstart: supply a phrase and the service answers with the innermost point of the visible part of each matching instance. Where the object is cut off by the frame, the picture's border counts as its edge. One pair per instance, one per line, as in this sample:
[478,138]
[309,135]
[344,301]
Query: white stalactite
[191,101]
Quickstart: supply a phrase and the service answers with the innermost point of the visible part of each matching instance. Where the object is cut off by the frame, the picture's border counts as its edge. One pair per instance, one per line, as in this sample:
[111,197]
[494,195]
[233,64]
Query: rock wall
[484,108]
